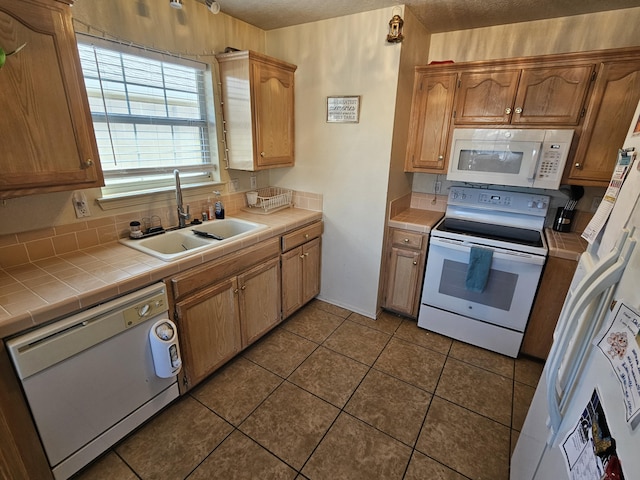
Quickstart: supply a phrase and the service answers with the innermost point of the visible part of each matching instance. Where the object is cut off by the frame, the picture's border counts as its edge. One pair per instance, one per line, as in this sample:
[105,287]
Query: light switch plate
[80,205]
[254,182]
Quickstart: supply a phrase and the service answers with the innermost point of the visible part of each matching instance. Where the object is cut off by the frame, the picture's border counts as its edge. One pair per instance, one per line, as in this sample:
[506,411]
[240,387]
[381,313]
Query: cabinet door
[311,270]
[403,279]
[292,268]
[431,111]
[486,97]
[273,90]
[609,114]
[209,330]
[259,300]
[48,143]
[552,95]
[554,285]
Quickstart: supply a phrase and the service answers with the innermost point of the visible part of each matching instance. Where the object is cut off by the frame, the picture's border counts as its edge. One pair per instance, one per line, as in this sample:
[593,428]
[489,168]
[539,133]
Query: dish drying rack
[271,199]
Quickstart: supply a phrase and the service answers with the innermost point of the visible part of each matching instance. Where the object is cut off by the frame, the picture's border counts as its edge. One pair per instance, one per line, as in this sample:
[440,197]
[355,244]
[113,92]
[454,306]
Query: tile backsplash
[24,247]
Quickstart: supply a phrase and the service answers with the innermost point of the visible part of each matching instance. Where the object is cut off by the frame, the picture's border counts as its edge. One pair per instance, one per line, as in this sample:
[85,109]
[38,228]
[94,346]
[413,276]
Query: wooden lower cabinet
[209,330]
[300,276]
[224,306]
[554,285]
[404,271]
[259,297]
[21,453]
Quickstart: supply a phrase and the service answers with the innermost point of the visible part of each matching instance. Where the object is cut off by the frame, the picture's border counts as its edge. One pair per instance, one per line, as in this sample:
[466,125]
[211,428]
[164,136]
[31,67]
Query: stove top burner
[520,236]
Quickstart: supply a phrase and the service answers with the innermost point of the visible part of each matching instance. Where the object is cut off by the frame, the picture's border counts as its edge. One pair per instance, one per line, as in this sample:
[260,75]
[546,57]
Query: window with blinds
[150,115]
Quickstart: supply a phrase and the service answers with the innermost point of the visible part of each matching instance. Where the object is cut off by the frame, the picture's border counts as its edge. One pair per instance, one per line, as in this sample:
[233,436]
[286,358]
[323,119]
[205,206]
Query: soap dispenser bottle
[219,213]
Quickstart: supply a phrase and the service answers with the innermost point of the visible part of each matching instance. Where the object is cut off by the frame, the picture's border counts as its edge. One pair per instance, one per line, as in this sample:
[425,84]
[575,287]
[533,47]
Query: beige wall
[347,163]
[192,32]
[596,31]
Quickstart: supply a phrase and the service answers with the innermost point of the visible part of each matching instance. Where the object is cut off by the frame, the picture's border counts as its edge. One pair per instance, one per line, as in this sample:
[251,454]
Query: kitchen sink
[175,244]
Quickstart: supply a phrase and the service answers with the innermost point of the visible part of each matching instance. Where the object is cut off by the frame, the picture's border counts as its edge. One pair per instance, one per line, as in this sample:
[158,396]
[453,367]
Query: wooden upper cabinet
[431,109]
[552,95]
[258,105]
[609,114]
[48,142]
[486,97]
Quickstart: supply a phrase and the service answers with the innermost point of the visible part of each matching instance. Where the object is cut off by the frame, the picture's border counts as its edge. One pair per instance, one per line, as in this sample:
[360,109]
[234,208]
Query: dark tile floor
[330,394]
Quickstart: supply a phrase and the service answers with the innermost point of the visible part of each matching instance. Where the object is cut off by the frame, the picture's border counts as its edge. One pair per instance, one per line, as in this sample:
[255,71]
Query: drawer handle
[306,235]
[406,240]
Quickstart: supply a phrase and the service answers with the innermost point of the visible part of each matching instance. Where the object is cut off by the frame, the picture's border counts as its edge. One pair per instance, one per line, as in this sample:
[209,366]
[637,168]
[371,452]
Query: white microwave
[514,157]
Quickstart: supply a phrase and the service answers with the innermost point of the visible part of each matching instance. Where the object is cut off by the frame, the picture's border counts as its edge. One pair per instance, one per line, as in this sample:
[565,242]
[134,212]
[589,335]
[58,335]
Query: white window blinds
[150,116]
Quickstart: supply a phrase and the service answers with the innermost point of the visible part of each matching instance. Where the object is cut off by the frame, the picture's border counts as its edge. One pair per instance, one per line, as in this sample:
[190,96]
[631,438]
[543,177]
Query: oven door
[508,295]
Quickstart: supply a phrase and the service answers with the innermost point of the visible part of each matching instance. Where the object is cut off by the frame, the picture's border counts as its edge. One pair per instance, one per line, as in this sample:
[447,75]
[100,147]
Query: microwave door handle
[534,165]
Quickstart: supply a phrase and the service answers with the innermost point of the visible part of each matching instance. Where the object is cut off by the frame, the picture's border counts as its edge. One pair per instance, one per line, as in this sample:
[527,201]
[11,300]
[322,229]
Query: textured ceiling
[436,15]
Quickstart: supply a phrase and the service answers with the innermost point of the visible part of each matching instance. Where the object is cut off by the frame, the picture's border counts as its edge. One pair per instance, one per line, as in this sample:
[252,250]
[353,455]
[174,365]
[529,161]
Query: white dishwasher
[90,379]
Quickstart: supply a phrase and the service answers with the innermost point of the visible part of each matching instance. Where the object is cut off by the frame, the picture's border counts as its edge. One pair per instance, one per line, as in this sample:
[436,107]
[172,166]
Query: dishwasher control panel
[145,310]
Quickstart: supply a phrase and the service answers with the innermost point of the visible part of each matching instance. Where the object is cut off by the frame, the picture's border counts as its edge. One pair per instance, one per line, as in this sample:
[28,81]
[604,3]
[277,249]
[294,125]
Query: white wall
[347,163]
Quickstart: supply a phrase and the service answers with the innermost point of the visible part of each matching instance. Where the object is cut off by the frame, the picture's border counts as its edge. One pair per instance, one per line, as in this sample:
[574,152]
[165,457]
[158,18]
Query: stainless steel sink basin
[176,244]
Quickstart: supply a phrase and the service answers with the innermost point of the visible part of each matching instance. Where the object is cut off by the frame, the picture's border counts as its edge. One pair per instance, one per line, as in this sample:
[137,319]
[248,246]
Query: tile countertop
[568,245]
[38,292]
[416,219]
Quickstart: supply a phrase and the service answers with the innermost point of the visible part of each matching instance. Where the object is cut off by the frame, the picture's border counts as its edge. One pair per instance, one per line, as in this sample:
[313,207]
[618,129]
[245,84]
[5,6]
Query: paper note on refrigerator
[588,449]
[597,223]
[618,343]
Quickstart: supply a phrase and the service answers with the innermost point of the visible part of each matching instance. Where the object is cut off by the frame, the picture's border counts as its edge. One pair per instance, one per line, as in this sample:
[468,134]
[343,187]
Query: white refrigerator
[583,421]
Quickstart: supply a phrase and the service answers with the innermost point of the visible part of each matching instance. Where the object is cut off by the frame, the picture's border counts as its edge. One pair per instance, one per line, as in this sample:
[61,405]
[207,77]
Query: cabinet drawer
[404,238]
[218,270]
[300,236]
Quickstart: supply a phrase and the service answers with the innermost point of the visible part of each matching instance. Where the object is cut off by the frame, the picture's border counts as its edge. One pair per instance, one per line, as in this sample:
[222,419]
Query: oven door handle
[499,253]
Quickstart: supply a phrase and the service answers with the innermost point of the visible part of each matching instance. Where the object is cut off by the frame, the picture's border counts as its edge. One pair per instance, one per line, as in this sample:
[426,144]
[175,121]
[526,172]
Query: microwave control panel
[553,156]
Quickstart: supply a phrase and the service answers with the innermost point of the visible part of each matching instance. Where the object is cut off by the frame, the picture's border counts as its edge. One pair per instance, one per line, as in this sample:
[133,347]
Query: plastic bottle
[210,209]
[219,210]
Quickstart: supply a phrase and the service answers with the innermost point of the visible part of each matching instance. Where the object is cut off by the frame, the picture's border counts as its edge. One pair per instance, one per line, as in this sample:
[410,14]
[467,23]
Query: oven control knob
[540,204]
[529,204]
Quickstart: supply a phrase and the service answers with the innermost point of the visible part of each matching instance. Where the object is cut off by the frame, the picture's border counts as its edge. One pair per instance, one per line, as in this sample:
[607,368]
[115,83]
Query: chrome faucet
[183,215]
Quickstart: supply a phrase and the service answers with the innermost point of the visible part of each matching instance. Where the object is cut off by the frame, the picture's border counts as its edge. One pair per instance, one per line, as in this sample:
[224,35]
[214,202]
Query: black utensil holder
[563,220]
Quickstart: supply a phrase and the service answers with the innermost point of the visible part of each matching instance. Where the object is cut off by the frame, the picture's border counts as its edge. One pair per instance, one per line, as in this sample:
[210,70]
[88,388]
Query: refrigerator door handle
[572,341]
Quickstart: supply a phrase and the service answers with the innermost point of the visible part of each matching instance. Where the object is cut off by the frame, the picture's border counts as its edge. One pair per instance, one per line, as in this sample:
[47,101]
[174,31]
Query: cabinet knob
[243,287]
[440,157]
[578,165]
[302,256]
[507,111]
[235,291]
[406,240]
[89,163]
[306,235]
[306,254]
[262,154]
[415,262]
[519,110]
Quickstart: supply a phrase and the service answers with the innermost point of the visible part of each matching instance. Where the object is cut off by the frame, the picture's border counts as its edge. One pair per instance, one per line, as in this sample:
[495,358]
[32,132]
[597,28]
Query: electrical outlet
[438,187]
[80,205]
[254,182]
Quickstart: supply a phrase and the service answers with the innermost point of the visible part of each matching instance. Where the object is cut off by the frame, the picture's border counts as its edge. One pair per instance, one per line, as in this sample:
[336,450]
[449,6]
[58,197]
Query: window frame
[206,174]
